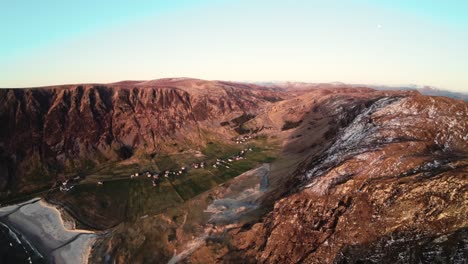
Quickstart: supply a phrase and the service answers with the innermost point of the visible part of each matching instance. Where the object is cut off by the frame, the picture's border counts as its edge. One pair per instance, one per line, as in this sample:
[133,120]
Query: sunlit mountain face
[237,132]
[182,170]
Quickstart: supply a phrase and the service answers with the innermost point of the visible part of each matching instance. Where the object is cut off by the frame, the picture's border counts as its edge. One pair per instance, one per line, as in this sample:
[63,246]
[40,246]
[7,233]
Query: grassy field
[123,199]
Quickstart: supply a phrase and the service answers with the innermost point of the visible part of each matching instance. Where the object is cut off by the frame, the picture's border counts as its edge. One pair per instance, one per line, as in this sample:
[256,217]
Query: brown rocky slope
[391,188]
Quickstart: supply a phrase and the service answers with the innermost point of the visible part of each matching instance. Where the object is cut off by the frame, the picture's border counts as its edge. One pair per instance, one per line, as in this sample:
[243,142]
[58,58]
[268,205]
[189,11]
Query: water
[34,232]
[15,249]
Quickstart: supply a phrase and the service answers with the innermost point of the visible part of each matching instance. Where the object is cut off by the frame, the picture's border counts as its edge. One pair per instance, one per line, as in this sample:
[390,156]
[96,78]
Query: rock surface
[392,188]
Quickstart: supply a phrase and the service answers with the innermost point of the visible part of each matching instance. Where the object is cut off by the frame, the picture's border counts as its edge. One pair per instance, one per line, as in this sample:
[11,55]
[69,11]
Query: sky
[352,41]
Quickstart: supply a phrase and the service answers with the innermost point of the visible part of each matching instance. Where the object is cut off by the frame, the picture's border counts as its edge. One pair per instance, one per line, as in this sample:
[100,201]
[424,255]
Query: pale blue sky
[357,41]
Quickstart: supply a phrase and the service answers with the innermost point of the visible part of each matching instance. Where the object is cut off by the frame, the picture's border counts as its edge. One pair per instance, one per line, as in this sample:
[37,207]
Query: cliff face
[391,188]
[53,130]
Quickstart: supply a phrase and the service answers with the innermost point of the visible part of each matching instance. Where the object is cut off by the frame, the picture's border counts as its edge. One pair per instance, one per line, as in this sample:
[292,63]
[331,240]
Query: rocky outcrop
[392,188]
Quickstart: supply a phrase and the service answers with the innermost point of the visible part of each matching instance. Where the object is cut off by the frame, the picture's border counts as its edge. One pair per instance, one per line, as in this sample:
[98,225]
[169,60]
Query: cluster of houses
[200,165]
[226,162]
[242,139]
[156,178]
[69,184]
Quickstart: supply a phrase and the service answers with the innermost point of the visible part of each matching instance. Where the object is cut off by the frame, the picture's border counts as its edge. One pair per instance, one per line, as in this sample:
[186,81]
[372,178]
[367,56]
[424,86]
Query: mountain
[426,90]
[293,172]
[391,187]
[58,130]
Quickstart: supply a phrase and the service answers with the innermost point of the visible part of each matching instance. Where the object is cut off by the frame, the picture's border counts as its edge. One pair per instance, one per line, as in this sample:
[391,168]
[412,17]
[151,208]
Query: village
[69,184]
[242,139]
[158,176]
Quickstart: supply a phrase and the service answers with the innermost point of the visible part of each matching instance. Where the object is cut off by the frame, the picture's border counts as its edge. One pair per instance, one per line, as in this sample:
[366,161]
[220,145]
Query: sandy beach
[43,226]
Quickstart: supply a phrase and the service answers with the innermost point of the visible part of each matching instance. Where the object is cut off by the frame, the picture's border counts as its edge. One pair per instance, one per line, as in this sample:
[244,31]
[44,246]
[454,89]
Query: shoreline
[44,227]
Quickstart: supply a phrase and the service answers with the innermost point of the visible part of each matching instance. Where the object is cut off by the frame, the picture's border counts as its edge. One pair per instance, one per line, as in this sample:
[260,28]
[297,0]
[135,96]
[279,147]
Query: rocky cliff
[47,132]
[390,188]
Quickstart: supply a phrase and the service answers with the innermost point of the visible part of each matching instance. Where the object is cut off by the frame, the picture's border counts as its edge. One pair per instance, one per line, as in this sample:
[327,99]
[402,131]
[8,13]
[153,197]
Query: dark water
[15,249]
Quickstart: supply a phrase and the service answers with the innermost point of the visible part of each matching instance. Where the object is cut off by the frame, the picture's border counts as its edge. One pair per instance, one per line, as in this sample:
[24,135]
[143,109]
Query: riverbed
[236,199]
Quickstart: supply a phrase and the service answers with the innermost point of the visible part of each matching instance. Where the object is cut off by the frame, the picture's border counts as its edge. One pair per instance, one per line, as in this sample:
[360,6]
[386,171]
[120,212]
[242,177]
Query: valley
[190,171]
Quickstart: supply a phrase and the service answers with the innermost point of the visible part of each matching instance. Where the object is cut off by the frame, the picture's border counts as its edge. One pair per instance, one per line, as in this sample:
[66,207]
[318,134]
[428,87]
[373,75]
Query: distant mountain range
[426,90]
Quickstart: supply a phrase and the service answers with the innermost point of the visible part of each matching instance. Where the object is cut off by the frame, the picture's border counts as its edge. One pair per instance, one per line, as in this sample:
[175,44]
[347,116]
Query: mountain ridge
[351,170]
